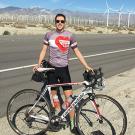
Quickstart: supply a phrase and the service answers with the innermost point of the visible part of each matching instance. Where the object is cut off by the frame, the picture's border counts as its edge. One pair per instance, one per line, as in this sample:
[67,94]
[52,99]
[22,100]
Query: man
[59,43]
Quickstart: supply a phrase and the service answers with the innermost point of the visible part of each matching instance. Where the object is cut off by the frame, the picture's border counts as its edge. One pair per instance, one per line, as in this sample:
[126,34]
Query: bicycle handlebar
[95,79]
[41,69]
[91,79]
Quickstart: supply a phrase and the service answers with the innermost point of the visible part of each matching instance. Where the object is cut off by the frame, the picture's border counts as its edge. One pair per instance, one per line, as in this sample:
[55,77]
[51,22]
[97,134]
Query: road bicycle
[29,112]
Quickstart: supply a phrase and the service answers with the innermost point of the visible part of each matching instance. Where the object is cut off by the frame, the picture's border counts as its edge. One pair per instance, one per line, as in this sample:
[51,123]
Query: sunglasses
[58,21]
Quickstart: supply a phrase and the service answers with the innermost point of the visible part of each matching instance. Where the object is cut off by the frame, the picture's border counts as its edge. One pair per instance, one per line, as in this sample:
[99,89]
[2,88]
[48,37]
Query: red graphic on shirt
[62,43]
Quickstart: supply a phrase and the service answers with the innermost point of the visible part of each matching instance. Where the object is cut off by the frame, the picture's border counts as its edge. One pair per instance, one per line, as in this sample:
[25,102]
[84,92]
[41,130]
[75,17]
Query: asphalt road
[16,51]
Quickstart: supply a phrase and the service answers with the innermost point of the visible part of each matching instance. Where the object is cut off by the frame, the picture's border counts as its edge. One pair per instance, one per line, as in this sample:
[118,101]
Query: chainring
[55,123]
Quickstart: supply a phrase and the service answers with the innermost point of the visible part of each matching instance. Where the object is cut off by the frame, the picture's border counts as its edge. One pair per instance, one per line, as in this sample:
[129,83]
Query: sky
[75,5]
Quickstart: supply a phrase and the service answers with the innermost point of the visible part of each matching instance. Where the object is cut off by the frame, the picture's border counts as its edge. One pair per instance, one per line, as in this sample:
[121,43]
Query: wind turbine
[120,15]
[129,15]
[108,13]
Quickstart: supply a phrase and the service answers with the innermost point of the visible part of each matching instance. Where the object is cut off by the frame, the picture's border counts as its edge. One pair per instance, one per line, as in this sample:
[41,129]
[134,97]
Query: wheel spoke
[18,115]
[113,116]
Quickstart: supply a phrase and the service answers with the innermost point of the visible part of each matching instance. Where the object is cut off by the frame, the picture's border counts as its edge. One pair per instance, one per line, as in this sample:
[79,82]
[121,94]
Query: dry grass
[19,25]
[2,25]
[100,32]
[31,25]
[32,28]
[131,29]
[130,32]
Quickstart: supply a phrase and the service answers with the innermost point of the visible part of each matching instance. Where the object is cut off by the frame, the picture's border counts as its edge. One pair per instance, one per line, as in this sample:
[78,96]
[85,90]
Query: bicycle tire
[22,101]
[88,123]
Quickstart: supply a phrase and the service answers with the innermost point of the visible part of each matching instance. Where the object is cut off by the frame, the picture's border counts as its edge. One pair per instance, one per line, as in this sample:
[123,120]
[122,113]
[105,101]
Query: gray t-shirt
[59,47]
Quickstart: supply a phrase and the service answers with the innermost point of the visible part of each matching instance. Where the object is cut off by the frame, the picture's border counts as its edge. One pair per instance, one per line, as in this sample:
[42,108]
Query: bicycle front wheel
[24,104]
[113,117]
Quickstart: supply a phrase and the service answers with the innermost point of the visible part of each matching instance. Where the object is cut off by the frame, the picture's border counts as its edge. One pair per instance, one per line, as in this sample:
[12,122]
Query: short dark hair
[60,15]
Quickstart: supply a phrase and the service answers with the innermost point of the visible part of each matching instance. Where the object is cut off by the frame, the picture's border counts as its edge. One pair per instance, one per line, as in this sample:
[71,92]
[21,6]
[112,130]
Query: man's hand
[88,68]
[35,68]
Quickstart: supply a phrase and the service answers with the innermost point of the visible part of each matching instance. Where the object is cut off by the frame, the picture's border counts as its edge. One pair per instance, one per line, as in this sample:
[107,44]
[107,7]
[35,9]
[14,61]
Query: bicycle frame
[38,113]
[85,91]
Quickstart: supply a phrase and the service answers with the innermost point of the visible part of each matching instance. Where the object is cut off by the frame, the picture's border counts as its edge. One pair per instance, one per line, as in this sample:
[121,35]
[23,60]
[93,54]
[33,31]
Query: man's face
[60,23]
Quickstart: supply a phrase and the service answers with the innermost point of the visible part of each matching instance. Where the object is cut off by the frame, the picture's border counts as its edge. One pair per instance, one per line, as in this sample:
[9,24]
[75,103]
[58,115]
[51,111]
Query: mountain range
[43,11]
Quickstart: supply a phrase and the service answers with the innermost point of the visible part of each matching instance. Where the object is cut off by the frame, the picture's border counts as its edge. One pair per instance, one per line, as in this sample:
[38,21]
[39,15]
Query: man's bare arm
[81,59]
[42,54]
[41,57]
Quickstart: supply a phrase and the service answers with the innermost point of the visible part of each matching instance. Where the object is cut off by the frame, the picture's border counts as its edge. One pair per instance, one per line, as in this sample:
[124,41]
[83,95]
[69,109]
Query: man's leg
[67,94]
[48,96]
[64,77]
[57,107]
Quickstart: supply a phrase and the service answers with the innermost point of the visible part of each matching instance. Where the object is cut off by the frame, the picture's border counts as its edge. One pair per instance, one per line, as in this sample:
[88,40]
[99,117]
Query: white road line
[87,56]
[99,54]
[10,69]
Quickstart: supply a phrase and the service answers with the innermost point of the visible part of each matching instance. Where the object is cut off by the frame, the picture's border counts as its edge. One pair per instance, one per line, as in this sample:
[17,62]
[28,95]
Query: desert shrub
[48,26]
[51,28]
[110,27]
[100,32]
[121,28]
[31,25]
[92,27]
[69,25]
[6,32]
[124,28]
[130,32]
[75,27]
[115,29]
[79,28]
[44,25]
[131,29]
[6,23]
[88,28]
[20,26]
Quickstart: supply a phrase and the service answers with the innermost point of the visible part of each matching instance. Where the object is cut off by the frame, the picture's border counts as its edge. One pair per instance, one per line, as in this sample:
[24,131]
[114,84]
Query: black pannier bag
[41,76]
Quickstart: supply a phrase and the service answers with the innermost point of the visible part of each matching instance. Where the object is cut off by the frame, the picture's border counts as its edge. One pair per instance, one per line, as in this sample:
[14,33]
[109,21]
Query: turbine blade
[105,12]
[107,4]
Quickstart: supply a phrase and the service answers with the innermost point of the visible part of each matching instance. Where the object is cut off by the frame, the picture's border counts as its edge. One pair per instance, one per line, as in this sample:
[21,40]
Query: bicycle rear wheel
[18,114]
[114,120]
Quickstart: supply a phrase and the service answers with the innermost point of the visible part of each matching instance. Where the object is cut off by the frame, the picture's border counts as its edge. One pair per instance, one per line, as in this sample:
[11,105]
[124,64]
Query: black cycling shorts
[59,75]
